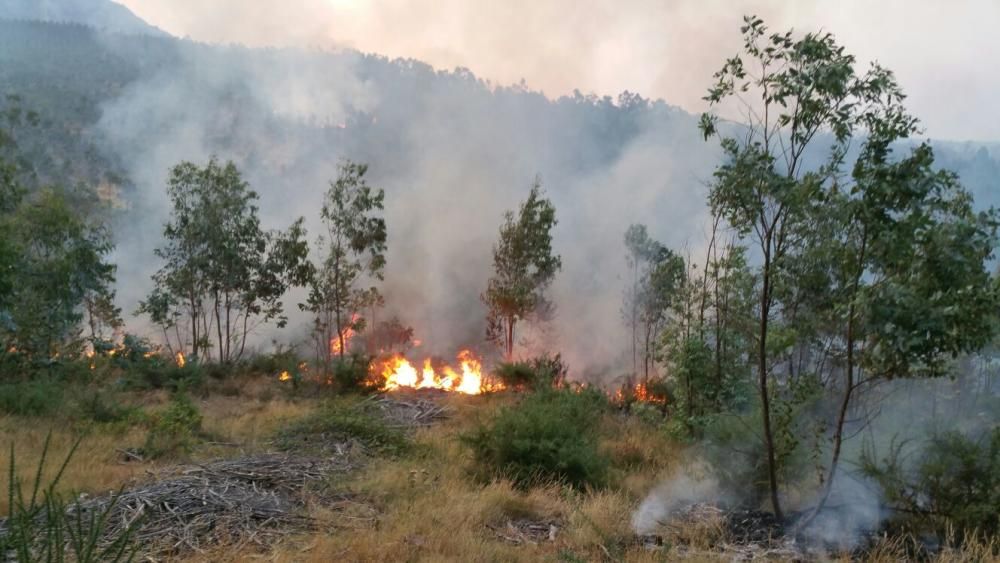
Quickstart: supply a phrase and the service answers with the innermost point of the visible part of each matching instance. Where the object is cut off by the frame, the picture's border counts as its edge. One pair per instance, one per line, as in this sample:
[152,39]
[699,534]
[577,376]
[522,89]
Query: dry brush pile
[249,500]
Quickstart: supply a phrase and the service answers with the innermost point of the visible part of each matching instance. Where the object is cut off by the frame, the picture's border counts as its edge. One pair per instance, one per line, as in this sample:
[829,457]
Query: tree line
[824,274]
[223,275]
[823,277]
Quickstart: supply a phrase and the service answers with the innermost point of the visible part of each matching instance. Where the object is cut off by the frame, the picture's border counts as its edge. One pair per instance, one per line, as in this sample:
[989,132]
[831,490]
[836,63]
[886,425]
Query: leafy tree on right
[865,268]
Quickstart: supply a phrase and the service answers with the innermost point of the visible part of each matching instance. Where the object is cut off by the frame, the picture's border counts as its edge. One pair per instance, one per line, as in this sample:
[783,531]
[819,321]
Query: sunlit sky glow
[944,53]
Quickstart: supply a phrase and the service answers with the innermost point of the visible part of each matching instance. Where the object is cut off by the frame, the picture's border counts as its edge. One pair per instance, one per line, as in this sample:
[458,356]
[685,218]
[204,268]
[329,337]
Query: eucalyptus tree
[355,245]
[524,266]
[904,256]
[657,274]
[57,261]
[224,275]
[884,224]
[53,260]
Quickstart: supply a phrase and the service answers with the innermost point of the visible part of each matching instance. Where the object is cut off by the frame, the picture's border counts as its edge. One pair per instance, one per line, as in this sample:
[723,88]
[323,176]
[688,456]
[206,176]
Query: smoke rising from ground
[452,152]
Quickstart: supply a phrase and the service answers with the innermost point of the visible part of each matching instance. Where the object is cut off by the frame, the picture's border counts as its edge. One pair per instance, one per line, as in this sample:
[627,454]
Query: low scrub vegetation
[175,430]
[550,435]
[951,487]
[536,373]
[35,397]
[343,420]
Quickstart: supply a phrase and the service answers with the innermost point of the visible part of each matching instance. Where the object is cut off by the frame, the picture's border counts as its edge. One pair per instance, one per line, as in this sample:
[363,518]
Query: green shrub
[157,373]
[351,372]
[42,526]
[516,375]
[36,397]
[537,373]
[649,413]
[283,358]
[549,435]
[951,485]
[100,407]
[176,429]
[342,420]
[144,367]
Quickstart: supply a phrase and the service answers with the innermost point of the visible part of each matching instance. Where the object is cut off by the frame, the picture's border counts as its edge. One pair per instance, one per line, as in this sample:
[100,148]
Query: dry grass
[431,509]
[96,466]
[425,505]
[235,423]
[979,548]
[245,425]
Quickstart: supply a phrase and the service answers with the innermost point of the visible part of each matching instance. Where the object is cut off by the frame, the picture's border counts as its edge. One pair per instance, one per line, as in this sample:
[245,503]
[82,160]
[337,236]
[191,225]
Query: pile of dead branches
[410,412]
[523,531]
[252,500]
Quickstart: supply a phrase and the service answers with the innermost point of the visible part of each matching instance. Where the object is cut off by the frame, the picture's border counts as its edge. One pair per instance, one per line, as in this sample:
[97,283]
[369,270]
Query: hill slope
[100,14]
[452,151]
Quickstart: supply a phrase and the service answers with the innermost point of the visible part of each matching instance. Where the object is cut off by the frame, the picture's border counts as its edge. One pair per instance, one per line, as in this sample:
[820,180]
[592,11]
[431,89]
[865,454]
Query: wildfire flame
[179,358]
[285,376]
[347,333]
[640,393]
[397,372]
[643,394]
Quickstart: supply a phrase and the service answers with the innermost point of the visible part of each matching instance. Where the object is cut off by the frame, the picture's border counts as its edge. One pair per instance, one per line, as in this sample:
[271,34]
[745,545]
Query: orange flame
[179,358]
[397,372]
[638,393]
[348,333]
[284,376]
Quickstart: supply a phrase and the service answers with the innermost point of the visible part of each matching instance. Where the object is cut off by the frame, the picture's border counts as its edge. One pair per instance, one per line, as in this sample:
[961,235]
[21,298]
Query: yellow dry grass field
[423,505]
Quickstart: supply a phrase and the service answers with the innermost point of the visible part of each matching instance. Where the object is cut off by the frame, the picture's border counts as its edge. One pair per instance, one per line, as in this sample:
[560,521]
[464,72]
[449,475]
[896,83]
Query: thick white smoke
[452,152]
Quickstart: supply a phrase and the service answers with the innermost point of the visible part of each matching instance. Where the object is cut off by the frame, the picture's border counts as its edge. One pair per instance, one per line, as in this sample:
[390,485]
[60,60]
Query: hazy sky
[944,52]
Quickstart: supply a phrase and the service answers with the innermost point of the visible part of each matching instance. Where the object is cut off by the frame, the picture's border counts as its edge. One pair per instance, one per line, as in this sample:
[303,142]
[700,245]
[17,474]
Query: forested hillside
[320,305]
[116,111]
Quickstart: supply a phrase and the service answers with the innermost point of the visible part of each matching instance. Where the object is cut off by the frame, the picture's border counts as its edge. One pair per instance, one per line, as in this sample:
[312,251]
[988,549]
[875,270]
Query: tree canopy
[523,267]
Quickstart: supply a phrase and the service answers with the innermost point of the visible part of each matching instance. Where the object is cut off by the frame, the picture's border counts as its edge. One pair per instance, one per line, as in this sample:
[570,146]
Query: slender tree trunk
[194,333]
[337,304]
[218,326]
[194,322]
[838,434]
[704,279]
[654,330]
[243,341]
[509,344]
[166,339]
[635,313]
[206,333]
[765,403]
[229,328]
[718,333]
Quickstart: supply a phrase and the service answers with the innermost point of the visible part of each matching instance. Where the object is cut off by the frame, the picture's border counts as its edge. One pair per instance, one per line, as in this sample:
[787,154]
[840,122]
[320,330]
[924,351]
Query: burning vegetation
[397,372]
[763,384]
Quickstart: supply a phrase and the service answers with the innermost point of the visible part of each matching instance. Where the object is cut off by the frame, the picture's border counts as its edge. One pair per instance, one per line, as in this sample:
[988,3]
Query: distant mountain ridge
[100,14]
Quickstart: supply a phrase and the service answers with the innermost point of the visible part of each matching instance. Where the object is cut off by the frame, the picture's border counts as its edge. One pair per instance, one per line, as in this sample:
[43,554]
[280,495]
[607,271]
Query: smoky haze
[663,49]
[451,151]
